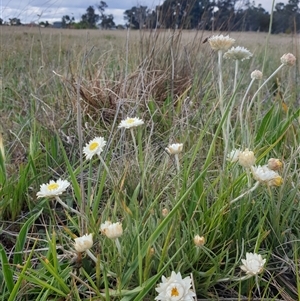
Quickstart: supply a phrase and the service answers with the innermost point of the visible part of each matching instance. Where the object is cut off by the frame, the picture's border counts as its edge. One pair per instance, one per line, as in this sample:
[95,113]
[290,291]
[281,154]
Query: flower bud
[164,212]
[247,158]
[111,230]
[175,148]
[274,164]
[199,240]
[83,243]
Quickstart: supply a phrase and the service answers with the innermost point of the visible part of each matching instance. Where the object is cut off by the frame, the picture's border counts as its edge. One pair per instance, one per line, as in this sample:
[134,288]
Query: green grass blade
[6,269]
[22,238]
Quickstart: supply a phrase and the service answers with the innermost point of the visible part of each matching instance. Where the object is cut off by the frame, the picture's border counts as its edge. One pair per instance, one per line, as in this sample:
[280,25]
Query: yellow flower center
[94,145]
[278,181]
[130,120]
[52,186]
[174,292]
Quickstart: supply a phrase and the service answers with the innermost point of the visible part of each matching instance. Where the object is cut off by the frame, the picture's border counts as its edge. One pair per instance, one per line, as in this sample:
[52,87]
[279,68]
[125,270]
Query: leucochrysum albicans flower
[175,288]
[265,175]
[199,241]
[274,164]
[83,243]
[94,147]
[53,188]
[111,230]
[247,158]
[237,53]
[256,74]
[288,59]
[253,264]
[174,148]
[129,123]
[233,156]
[164,212]
[221,42]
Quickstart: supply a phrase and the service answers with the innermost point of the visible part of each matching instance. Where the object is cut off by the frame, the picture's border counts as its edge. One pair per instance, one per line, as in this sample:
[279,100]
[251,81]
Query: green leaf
[6,270]
[21,239]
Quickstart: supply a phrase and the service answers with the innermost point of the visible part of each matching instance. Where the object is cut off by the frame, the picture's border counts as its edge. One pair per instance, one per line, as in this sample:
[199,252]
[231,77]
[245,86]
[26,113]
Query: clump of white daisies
[263,174]
[175,287]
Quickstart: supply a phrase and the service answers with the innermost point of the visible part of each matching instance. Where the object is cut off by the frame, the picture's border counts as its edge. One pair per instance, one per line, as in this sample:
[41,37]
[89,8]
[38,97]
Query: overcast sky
[53,10]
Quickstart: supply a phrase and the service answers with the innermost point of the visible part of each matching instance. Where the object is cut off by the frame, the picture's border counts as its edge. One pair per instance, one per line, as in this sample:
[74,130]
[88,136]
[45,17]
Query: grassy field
[62,88]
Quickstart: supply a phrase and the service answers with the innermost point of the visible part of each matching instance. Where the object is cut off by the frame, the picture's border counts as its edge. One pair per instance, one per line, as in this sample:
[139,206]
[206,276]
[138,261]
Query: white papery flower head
[164,212]
[199,241]
[247,158]
[267,176]
[274,164]
[53,188]
[94,147]
[129,123]
[175,288]
[288,59]
[221,42]
[253,264]
[256,74]
[233,156]
[111,230]
[237,53]
[83,243]
[174,148]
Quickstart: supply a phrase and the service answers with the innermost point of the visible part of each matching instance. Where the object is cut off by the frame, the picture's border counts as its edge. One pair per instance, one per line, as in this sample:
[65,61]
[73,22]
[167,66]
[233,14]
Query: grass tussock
[61,89]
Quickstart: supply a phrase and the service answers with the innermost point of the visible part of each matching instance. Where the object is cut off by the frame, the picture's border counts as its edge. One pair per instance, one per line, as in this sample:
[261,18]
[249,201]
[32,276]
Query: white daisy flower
[53,188]
[111,230]
[175,288]
[221,42]
[129,123]
[253,264]
[94,147]
[267,176]
[174,148]
[238,53]
[83,243]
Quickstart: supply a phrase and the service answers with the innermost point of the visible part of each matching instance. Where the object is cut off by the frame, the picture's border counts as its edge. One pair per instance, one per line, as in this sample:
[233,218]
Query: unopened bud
[165,212]
[199,241]
[274,164]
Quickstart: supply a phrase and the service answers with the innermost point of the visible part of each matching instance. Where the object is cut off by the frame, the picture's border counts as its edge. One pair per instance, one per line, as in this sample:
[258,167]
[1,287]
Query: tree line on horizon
[225,15]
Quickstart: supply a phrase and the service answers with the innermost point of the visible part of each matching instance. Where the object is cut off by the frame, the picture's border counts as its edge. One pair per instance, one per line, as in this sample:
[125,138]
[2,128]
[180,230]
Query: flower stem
[224,125]
[256,93]
[118,245]
[244,126]
[264,83]
[235,74]
[245,193]
[135,146]
[68,207]
[220,52]
[176,157]
[106,168]
[93,257]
